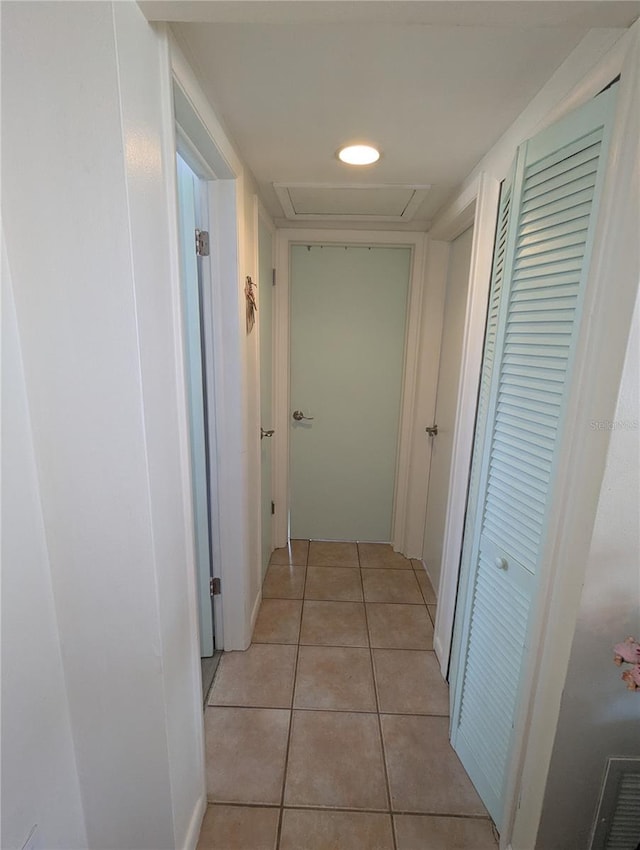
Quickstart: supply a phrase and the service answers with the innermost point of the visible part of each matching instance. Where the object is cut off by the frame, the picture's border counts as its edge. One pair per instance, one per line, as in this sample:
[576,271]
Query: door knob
[298,415]
[264,433]
[432,431]
[501,563]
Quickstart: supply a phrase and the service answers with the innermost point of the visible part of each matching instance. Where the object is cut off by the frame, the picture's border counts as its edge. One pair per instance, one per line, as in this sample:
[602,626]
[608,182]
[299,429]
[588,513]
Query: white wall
[87,167]
[599,717]
[39,776]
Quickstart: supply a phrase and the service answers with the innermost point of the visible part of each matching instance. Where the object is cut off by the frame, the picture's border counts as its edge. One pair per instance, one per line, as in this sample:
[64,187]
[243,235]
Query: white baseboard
[255,611]
[195,824]
[438,649]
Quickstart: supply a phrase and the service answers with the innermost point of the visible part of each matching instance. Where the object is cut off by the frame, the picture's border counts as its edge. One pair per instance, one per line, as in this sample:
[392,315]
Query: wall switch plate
[32,842]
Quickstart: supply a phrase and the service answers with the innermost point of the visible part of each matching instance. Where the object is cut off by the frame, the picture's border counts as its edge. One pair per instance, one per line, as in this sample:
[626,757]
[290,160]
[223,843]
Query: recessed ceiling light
[359,155]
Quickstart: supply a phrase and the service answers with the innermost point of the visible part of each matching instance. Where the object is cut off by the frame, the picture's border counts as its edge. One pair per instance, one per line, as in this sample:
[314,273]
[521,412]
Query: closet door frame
[599,357]
[600,352]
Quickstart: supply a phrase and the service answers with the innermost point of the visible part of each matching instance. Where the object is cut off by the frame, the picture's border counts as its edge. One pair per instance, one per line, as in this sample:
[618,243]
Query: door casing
[262,219]
[198,137]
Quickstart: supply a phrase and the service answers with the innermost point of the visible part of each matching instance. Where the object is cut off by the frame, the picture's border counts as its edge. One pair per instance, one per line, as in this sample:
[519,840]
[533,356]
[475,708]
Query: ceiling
[433,84]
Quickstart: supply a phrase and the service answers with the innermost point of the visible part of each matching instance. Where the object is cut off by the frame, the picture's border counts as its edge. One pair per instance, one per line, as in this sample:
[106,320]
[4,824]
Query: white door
[348,319]
[189,200]
[547,216]
[265,323]
[446,402]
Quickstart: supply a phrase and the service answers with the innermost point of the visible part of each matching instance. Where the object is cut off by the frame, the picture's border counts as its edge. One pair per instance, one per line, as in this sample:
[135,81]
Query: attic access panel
[350,202]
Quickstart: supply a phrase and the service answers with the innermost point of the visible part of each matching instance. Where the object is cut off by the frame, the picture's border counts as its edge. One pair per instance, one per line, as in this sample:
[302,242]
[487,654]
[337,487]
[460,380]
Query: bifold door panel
[547,214]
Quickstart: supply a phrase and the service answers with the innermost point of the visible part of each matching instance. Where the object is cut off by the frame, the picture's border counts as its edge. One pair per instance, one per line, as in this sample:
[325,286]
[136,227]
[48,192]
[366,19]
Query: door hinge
[214,586]
[273,277]
[202,243]
[273,508]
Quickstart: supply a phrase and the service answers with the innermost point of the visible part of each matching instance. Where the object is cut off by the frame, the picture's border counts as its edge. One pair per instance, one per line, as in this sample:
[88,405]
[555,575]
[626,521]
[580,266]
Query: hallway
[331,730]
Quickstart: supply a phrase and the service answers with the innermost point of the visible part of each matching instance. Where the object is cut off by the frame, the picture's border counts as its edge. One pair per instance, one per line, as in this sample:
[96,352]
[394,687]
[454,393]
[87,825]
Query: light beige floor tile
[391,586]
[307,830]
[410,682]
[340,584]
[278,621]
[245,754]
[374,555]
[239,828]
[334,678]
[294,553]
[328,554]
[260,676]
[419,832]
[432,612]
[284,581]
[334,624]
[425,775]
[425,585]
[399,626]
[335,760]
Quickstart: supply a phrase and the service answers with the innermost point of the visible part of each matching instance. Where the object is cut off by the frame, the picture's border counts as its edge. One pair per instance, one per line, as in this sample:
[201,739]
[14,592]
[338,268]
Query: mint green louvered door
[546,219]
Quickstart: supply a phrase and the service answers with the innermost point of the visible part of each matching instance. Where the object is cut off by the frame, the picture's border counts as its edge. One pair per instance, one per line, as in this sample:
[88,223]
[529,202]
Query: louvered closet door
[546,220]
[495,290]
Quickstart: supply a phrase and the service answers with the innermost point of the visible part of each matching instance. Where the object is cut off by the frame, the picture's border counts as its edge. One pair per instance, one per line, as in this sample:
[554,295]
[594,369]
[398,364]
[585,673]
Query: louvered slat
[555,232]
[564,158]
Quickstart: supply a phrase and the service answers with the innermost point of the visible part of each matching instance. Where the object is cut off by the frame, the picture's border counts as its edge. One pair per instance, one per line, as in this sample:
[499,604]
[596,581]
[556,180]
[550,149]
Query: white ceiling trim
[461,13]
[416,193]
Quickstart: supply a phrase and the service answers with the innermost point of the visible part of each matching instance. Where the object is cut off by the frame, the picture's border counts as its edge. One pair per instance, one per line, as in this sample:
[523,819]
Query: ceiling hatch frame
[416,193]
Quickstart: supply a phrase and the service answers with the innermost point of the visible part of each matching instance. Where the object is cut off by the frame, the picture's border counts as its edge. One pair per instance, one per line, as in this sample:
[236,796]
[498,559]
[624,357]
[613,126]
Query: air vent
[348,202]
[617,826]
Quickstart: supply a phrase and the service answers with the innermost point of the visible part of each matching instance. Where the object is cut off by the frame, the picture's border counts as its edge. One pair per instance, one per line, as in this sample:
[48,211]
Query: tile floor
[331,731]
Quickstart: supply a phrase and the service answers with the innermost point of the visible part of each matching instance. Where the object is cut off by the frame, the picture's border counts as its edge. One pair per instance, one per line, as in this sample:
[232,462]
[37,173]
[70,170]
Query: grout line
[309,808]
[347,646]
[243,805]
[458,815]
[284,564]
[293,694]
[375,690]
[301,808]
[356,601]
[329,710]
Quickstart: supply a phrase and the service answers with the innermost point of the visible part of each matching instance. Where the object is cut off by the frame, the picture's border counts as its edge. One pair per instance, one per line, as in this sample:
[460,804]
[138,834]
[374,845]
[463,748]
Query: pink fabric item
[628,650]
[632,677]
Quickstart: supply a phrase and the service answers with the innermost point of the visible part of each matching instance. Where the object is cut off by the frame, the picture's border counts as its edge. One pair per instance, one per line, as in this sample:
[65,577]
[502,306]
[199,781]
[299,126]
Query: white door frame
[202,141]
[285,239]
[477,207]
[599,358]
[261,216]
